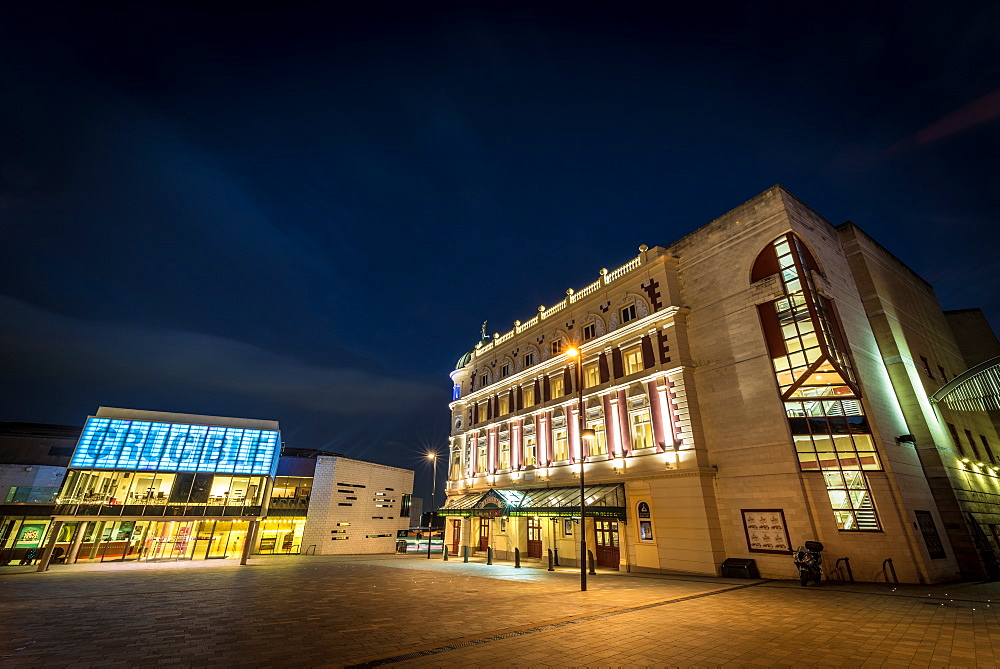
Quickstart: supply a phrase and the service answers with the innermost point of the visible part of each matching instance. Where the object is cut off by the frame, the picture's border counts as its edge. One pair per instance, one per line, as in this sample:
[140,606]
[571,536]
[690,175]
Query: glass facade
[818,385]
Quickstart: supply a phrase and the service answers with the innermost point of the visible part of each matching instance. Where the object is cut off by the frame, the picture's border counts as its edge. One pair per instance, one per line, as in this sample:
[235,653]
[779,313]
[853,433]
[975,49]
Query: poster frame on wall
[775,523]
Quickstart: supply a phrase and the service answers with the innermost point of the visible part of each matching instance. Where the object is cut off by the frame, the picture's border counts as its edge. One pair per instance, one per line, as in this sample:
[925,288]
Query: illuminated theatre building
[763,381]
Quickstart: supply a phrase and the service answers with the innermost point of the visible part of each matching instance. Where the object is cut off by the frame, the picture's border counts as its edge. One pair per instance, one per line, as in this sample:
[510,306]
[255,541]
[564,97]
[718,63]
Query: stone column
[248,541]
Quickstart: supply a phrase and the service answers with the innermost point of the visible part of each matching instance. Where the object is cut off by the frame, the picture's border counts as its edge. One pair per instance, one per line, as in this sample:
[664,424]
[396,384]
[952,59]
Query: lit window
[556,385]
[504,451]
[633,360]
[504,404]
[628,313]
[642,429]
[589,331]
[481,455]
[852,503]
[482,413]
[560,444]
[528,394]
[530,450]
[591,376]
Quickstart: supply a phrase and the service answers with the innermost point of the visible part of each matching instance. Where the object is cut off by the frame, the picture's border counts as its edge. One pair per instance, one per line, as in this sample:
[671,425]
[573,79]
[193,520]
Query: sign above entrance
[175,447]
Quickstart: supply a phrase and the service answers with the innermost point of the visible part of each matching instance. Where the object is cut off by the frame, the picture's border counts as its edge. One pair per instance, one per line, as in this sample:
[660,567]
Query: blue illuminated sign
[108,443]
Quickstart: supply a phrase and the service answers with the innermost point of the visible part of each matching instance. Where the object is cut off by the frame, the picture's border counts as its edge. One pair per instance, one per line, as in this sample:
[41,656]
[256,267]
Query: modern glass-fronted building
[147,485]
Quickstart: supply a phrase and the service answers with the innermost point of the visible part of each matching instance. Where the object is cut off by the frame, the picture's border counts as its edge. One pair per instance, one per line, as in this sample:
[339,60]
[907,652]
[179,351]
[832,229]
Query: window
[529,359]
[556,385]
[927,367]
[504,450]
[504,404]
[589,331]
[642,429]
[987,449]
[954,436]
[591,376]
[483,380]
[560,444]
[505,369]
[595,421]
[481,409]
[633,360]
[528,394]
[556,347]
[944,377]
[530,450]
[853,507]
[481,455]
[628,313]
[972,443]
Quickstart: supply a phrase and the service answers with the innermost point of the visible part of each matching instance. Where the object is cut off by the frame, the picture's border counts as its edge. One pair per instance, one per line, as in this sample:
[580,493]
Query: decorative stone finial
[541,308]
[569,291]
[643,248]
[604,270]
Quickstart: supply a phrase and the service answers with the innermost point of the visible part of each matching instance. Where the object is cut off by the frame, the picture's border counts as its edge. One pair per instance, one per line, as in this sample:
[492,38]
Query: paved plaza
[310,611]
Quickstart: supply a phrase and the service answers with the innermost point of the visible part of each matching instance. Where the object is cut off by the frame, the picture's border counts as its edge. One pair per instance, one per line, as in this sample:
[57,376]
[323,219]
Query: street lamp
[583,432]
[432,456]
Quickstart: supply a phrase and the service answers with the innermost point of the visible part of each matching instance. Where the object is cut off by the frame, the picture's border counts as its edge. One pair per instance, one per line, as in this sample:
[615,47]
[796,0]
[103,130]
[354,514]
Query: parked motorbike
[809,560]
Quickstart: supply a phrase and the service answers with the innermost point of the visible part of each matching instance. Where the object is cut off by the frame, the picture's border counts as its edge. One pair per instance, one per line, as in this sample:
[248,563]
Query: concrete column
[56,528]
[97,538]
[81,529]
[248,541]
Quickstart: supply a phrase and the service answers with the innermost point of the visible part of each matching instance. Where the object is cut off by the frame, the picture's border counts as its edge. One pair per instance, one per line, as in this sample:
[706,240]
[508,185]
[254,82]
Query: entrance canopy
[603,501]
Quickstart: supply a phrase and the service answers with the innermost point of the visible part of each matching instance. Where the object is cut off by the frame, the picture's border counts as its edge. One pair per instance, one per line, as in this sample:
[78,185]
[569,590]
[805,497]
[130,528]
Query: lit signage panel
[108,443]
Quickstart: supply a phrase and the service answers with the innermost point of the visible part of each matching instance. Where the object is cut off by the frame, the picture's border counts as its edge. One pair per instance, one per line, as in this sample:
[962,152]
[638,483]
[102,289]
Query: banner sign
[108,443]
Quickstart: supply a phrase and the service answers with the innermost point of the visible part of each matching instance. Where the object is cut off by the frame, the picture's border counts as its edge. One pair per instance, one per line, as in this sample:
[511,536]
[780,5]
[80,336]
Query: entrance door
[608,553]
[534,537]
[484,533]
[456,535]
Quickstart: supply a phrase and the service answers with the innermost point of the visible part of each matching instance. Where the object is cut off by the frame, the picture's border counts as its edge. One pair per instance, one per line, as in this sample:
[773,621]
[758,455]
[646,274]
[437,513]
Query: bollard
[551,568]
[517,557]
[590,560]
[465,553]
[888,561]
[556,551]
[489,555]
[444,553]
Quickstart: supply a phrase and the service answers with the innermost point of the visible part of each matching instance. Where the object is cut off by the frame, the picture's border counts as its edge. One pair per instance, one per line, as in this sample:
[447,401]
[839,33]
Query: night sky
[305,212]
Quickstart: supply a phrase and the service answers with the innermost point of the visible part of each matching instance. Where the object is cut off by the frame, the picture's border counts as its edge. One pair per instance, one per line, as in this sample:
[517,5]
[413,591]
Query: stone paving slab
[409,611]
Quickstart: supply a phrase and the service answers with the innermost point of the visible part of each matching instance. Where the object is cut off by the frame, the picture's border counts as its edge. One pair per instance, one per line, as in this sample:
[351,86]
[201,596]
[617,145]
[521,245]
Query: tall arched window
[817,383]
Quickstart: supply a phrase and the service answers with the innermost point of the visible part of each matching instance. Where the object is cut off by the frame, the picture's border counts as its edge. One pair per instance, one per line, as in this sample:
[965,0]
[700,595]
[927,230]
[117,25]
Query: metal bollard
[888,561]
[556,551]
[590,561]
[517,557]
[465,553]
[444,552]
[551,568]
[489,555]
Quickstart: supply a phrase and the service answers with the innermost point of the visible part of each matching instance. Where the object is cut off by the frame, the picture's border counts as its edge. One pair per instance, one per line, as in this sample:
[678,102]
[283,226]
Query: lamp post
[432,456]
[582,432]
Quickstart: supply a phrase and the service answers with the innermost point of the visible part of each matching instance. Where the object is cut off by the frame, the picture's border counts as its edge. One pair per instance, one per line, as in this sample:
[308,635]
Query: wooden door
[608,553]
[534,537]
[484,533]
[456,535]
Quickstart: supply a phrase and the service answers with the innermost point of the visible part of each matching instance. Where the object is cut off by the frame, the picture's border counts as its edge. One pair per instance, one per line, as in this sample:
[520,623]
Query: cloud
[45,350]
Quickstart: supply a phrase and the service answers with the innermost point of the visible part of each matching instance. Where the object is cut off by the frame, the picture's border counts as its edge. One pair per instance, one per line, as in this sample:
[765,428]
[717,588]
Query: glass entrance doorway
[534,537]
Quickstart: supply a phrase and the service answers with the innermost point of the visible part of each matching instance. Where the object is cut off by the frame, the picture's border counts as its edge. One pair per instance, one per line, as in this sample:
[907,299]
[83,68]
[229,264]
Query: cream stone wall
[358,500]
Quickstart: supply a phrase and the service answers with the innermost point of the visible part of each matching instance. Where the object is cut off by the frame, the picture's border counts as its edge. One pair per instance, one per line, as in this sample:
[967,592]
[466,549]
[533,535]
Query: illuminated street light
[432,456]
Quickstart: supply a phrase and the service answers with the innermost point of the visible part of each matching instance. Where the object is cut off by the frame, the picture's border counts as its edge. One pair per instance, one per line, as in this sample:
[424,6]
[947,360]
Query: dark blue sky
[305,212]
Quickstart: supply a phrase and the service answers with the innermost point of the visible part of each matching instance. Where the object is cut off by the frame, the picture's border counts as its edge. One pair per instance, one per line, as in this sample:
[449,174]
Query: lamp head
[573,352]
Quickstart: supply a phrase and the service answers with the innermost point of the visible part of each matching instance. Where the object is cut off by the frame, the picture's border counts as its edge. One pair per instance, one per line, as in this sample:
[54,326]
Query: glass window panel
[132,445]
[818,426]
[823,443]
[863,442]
[174,451]
[798,425]
[838,425]
[112,444]
[267,448]
[793,286]
[843,443]
[803,444]
[193,445]
[156,441]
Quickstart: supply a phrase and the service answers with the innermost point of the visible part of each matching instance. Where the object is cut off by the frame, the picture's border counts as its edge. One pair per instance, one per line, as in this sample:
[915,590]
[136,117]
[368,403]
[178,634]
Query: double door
[608,553]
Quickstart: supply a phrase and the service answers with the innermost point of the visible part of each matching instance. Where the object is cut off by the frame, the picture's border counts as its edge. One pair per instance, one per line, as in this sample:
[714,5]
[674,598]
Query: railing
[571,297]
[32,495]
